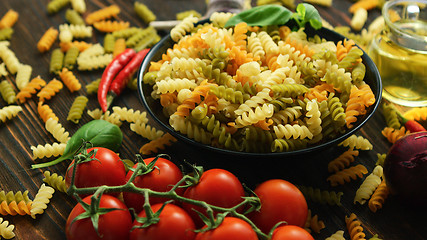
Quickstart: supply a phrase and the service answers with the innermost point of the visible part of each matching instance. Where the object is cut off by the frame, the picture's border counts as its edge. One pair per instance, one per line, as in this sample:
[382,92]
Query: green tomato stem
[171,194]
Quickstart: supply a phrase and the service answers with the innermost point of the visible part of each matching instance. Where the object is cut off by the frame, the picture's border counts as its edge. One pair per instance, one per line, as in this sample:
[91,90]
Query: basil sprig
[278,15]
[99,133]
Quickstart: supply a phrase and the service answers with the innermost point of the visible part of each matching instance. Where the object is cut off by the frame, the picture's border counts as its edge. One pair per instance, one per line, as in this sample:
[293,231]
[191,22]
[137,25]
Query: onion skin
[405,168]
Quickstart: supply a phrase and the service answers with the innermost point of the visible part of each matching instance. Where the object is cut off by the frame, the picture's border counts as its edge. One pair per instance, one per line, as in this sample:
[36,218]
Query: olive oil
[400,52]
[403,72]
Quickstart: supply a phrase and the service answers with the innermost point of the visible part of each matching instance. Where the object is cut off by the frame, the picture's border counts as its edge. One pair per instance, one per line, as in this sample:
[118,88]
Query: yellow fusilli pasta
[42,198]
[368,186]
[48,150]
[58,132]
[6,229]
[55,181]
[9,112]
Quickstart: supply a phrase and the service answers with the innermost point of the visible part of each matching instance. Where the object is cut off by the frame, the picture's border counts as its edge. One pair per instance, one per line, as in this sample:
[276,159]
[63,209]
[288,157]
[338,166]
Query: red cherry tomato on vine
[280,201]
[111,226]
[174,224]
[108,170]
[218,187]
[163,177]
[230,229]
[291,232]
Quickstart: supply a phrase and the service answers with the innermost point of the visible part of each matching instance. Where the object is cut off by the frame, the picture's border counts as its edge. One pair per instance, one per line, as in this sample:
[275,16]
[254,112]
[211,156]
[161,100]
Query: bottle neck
[402,25]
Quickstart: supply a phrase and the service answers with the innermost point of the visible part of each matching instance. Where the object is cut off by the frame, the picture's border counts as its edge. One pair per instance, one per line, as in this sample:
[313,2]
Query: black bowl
[372,77]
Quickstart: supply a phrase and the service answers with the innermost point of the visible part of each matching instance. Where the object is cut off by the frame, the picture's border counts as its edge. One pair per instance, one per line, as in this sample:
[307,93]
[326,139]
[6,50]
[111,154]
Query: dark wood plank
[394,221]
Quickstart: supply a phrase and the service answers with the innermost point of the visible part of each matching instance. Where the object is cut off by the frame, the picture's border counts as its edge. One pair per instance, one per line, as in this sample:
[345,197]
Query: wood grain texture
[394,221]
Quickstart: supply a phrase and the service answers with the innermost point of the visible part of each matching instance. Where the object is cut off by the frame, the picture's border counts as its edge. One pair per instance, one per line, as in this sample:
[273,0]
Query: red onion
[405,168]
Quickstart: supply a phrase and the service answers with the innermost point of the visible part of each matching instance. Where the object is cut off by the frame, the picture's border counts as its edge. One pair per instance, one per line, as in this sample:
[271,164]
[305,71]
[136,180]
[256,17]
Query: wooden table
[394,221]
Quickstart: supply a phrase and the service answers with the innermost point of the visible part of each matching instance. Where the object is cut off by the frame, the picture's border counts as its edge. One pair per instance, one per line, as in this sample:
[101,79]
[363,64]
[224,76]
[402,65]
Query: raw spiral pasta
[50,90]
[18,196]
[321,196]
[6,229]
[55,6]
[110,26]
[9,19]
[56,61]
[70,80]
[378,197]
[144,12]
[42,198]
[9,58]
[393,135]
[14,207]
[417,114]
[47,40]
[92,87]
[93,63]
[113,118]
[146,130]
[158,144]
[73,17]
[342,161]
[79,5]
[70,58]
[391,117]
[103,13]
[357,142]
[76,110]
[130,115]
[58,132]
[183,27]
[368,186]
[45,112]
[48,150]
[77,31]
[338,235]
[9,112]
[6,33]
[23,76]
[289,85]
[55,181]
[354,227]
[7,92]
[346,175]
[313,223]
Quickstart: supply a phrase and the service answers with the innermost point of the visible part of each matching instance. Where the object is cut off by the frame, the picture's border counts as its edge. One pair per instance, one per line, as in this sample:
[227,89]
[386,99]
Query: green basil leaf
[264,15]
[312,16]
[99,133]
[301,11]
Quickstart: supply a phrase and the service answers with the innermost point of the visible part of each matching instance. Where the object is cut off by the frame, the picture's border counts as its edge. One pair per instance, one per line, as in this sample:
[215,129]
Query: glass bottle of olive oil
[400,52]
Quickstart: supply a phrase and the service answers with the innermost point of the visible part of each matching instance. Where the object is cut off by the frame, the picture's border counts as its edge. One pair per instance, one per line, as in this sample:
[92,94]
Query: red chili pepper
[118,63]
[121,80]
[411,125]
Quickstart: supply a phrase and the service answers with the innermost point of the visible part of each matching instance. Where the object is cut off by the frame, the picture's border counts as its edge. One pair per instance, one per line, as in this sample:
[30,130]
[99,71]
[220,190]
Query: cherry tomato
[230,229]
[111,226]
[174,224]
[218,187]
[161,179]
[291,232]
[106,170]
[280,201]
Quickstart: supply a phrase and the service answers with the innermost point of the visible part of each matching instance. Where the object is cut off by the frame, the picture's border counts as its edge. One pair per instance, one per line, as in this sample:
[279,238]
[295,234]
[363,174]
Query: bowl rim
[333,142]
